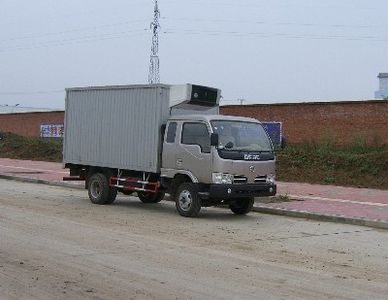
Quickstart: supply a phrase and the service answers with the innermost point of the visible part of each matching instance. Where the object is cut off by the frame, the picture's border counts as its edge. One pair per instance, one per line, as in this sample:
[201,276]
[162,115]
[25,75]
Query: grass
[18,147]
[274,199]
[360,163]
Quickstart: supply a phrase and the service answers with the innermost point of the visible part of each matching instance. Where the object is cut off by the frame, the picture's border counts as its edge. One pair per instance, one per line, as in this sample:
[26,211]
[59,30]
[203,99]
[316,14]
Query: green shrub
[359,163]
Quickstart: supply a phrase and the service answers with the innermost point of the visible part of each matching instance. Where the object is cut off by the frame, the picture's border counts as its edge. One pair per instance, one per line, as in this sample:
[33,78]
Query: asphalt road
[54,244]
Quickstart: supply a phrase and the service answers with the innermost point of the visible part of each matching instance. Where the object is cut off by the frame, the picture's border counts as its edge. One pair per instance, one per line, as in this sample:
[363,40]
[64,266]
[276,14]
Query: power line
[82,29]
[275,35]
[122,34]
[84,39]
[229,21]
[31,93]
[258,5]
[125,34]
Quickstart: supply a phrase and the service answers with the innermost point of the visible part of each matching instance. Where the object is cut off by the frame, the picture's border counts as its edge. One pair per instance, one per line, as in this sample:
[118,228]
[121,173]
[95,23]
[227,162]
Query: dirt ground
[54,244]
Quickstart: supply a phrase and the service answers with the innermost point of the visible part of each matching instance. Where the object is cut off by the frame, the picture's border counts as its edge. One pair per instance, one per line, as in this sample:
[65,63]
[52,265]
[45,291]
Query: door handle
[179,162]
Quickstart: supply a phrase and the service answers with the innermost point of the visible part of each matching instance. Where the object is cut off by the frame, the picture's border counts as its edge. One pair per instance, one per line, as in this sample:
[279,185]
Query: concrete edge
[41,181]
[381,224]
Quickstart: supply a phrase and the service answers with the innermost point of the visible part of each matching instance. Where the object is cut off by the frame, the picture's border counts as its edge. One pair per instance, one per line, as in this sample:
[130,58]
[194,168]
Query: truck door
[193,151]
[169,146]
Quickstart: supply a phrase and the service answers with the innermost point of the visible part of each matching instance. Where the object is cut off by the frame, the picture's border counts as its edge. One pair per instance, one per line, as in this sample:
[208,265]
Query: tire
[150,197]
[187,201]
[242,206]
[112,196]
[99,190]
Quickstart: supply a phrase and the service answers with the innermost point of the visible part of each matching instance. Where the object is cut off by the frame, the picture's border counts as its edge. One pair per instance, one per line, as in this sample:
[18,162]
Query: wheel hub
[185,200]
[95,189]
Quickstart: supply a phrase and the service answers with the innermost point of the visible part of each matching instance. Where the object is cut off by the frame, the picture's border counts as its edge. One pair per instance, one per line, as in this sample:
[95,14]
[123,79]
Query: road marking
[339,200]
[31,169]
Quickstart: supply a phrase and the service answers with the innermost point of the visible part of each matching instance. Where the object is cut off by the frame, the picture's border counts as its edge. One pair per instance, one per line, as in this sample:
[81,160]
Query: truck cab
[219,160]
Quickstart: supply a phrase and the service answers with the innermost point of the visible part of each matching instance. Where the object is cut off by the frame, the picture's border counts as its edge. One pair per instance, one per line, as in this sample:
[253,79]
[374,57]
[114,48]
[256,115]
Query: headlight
[219,178]
[271,178]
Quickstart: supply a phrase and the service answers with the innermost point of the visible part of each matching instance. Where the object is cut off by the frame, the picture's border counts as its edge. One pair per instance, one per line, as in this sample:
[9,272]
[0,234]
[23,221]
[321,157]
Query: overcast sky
[261,51]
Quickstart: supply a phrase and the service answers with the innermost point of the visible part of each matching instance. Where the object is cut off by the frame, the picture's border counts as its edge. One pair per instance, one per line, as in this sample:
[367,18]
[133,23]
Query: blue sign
[51,130]
[274,130]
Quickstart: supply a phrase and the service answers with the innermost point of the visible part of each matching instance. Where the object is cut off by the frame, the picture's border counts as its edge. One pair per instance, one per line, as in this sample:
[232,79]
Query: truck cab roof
[208,118]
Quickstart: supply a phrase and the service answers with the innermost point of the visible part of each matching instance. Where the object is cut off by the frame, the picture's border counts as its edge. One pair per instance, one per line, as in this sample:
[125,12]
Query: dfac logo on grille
[251,157]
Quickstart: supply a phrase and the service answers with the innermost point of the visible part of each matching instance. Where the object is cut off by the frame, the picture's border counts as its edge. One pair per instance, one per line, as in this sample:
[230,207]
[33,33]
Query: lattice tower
[153,75]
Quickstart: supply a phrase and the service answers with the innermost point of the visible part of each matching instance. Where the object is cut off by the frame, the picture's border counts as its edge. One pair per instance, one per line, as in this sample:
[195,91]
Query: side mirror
[214,139]
[283,143]
[229,145]
[163,130]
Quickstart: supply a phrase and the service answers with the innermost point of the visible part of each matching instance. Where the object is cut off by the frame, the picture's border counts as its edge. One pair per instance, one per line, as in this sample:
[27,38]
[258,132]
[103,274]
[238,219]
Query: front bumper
[234,191]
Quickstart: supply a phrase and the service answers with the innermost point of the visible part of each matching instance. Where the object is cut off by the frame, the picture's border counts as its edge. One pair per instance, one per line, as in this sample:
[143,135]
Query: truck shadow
[168,207]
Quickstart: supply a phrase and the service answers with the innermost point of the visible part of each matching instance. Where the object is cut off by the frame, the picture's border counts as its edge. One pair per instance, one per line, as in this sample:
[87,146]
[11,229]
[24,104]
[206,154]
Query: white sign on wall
[51,130]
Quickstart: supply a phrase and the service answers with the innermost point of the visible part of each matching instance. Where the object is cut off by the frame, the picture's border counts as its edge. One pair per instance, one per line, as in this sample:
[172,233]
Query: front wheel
[242,206]
[150,197]
[187,201]
[99,190]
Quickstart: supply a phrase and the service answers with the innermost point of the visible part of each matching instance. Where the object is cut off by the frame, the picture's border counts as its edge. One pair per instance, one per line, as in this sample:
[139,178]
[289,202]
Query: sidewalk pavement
[368,207]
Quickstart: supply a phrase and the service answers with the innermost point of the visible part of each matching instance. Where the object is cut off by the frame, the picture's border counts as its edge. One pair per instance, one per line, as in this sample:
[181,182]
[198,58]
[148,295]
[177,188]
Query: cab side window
[196,134]
[171,132]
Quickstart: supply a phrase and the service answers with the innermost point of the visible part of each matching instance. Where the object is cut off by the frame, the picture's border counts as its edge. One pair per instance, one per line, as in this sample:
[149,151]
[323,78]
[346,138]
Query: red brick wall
[28,124]
[340,122]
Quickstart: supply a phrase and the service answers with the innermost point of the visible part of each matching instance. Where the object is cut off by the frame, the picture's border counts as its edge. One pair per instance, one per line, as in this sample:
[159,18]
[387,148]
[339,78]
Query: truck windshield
[241,136]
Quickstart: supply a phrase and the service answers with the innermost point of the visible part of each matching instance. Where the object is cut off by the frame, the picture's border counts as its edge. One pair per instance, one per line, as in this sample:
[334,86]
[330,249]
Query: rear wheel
[150,197]
[187,202]
[99,190]
[242,206]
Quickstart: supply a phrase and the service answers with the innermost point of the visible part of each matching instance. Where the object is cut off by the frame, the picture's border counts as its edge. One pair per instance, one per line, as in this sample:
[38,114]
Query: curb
[381,224]
[41,181]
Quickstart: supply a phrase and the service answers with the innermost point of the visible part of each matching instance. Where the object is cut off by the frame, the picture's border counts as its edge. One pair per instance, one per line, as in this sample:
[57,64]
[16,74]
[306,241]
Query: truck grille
[240,179]
[261,179]
[243,179]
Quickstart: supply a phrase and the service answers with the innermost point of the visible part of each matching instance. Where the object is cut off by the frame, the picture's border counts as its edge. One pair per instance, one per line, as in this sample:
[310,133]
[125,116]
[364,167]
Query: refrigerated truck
[157,139]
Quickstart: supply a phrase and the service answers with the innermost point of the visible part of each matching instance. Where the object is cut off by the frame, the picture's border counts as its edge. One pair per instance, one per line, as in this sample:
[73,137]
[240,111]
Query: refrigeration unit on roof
[190,96]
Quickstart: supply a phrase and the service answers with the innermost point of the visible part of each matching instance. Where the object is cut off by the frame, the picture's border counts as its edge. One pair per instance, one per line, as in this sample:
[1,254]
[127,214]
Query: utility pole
[153,75]
[242,101]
